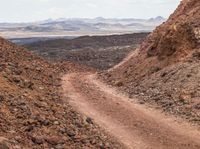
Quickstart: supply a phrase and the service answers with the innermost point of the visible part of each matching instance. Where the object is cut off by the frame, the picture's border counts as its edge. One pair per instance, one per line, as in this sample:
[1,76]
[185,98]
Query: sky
[34,10]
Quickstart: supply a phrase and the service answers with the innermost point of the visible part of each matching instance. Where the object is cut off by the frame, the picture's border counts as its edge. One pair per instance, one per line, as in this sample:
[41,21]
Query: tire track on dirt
[133,125]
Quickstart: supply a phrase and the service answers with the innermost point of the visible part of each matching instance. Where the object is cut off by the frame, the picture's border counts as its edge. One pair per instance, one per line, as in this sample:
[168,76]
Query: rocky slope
[32,112]
[100,52]
[165,71]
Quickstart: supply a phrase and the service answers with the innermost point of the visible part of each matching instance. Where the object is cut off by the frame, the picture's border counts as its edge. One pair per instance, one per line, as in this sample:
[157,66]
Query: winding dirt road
[134,125]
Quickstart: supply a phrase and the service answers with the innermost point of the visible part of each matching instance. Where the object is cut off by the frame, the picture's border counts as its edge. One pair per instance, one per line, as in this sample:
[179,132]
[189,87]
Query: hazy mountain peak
[158,18]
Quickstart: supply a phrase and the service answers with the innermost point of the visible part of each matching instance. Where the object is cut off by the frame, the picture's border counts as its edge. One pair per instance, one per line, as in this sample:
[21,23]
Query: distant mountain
[79,27]
[158,19]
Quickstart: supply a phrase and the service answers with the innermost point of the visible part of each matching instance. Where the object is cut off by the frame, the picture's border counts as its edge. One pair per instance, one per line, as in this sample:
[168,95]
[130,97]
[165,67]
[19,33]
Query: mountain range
[78,27]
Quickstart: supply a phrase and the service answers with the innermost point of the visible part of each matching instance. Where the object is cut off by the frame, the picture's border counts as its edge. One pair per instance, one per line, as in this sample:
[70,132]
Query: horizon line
[68,18]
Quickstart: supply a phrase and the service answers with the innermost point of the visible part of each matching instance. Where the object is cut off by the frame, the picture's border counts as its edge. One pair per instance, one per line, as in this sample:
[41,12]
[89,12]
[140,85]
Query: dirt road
[126,59]
[136,126]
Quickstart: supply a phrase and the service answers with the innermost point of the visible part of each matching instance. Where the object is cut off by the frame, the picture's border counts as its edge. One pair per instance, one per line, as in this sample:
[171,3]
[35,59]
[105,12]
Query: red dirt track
[135,126]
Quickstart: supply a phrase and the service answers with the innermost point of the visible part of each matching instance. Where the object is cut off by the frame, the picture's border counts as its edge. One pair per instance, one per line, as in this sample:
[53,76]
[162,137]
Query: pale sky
[33,10]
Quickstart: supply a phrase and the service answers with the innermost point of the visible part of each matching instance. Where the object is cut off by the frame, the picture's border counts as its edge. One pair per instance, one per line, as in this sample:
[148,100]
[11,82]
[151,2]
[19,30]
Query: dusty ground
[135,126]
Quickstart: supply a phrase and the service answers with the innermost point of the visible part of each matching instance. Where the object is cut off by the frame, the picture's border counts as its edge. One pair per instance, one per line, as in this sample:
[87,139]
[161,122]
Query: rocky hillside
[32,112]
[178,36]
[101,52]
[165,70]
[88,41]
